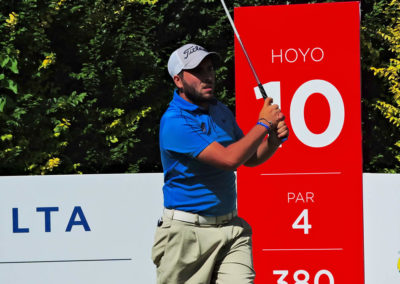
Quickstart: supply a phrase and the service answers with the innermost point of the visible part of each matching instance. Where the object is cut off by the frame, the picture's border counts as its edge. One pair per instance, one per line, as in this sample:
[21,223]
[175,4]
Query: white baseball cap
[186,57]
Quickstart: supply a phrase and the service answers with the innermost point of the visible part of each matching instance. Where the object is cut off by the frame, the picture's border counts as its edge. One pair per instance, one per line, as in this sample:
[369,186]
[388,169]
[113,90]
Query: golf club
[260,86]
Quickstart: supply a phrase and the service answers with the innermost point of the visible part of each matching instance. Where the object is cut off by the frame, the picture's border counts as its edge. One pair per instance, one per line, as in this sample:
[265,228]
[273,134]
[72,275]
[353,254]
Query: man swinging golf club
[200,238]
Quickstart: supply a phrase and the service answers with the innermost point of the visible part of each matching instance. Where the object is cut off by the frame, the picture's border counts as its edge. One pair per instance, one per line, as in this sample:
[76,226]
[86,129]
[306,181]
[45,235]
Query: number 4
[305,226]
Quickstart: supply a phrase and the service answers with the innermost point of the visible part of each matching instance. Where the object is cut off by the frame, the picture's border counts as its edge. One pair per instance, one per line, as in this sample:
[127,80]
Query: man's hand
[282,132]
[271,113]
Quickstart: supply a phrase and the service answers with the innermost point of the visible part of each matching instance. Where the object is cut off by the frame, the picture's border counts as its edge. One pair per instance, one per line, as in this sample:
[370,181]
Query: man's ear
[178,81]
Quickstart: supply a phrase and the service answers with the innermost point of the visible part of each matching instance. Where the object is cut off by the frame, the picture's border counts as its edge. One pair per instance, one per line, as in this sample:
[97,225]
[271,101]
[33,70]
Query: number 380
[304,275]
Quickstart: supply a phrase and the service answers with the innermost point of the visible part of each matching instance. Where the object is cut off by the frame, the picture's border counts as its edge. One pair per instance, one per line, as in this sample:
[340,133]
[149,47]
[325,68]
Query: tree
[380,45]
[75,84]
[83,84]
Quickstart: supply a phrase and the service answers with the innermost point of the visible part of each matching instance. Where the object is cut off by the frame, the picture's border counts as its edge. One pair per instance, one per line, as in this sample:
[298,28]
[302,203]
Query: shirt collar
[185,105]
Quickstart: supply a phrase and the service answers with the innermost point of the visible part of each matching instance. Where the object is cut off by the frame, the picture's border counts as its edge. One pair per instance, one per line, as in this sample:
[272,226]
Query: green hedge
[83,84]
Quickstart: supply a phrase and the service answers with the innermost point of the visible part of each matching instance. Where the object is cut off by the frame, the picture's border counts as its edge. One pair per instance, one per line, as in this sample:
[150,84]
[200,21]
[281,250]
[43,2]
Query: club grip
[264,95]
[262,91]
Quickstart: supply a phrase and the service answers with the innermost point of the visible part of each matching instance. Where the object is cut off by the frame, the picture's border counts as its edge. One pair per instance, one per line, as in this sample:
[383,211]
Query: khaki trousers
[203,254]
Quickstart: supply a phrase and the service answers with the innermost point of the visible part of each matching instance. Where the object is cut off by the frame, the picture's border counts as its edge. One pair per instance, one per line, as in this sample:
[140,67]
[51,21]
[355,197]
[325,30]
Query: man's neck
[203,105]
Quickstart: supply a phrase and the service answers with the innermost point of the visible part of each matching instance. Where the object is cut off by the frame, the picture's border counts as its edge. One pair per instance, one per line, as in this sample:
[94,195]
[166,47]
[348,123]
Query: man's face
[198,83]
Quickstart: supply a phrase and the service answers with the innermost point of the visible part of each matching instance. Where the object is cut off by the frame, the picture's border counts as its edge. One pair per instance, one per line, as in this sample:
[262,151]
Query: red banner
[305,203]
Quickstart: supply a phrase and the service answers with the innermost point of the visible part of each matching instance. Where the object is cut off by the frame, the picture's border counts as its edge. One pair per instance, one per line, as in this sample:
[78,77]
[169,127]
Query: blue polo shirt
[190,185]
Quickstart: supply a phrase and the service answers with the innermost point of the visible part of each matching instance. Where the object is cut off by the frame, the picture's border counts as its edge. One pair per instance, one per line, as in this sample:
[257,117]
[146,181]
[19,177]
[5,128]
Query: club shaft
[260,86]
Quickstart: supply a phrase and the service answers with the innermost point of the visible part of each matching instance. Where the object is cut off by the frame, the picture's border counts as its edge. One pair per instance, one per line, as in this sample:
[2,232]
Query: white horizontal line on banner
[303,249]
[65,260]
[294,174]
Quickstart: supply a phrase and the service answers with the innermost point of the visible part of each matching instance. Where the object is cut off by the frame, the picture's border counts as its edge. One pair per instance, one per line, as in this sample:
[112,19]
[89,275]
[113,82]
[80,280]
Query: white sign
[100,228]
[79,229]
[382,228]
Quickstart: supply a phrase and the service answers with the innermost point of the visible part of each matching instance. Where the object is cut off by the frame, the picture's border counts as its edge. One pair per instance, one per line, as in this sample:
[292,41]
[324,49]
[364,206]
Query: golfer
[200,239]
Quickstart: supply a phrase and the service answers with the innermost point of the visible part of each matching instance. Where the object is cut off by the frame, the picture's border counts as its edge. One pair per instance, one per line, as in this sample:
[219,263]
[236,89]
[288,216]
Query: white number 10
[331,94]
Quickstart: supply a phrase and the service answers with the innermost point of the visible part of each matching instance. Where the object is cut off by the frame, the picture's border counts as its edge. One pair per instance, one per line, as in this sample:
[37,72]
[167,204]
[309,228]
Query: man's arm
[236,154]
[268,147]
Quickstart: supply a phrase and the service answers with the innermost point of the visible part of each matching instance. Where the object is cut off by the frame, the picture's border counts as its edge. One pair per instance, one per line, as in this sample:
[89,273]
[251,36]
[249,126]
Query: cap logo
[191,50]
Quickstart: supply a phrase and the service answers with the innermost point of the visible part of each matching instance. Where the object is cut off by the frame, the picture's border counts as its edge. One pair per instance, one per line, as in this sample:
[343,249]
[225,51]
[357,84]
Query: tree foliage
[389,106]
[76,84]
[381,101]
[83,84]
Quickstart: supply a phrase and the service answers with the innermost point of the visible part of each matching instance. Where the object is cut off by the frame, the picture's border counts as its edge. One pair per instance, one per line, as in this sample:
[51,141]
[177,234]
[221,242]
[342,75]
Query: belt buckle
[229,216]
[204,220]
[221,220]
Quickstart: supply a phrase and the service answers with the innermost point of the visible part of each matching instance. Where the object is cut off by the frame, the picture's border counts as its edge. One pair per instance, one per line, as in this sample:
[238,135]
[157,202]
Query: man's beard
[195,96]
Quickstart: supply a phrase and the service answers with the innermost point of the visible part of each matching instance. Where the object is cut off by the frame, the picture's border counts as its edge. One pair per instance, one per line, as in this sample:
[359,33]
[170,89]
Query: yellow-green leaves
[49,59]
[391,72]
[52,163]
[143,1]
[61,126]
[6,137]
[12,20]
